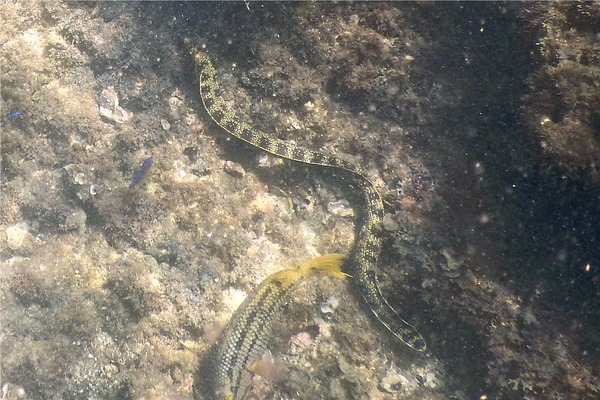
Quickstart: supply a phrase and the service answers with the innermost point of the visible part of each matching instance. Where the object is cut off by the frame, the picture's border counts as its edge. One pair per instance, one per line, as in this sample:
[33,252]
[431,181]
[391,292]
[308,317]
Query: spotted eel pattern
[363,260]
[244,339]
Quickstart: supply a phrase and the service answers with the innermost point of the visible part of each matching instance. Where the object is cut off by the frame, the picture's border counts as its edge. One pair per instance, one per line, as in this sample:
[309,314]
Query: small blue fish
[14,115]
[139,175]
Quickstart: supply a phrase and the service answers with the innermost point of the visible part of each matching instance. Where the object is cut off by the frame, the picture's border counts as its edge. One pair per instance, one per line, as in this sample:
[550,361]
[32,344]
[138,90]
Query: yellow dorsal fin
[330,264]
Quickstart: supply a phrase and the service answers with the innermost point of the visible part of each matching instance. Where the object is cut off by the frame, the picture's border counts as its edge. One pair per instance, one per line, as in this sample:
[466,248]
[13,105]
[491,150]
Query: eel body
[244,339]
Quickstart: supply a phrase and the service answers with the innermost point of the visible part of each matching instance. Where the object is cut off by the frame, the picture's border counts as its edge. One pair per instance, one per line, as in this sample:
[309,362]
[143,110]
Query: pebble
[341,208]
[389,224]
[12,392]
[392,382]
[76,220]
[79,178]
[451,268]
[234,169]
[15,237]
[329,306]
[113,111]
[344,365]
[300,343]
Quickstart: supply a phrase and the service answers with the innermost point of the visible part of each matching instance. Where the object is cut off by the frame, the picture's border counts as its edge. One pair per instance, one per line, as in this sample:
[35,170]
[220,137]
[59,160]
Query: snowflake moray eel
[244,339]
[363,258]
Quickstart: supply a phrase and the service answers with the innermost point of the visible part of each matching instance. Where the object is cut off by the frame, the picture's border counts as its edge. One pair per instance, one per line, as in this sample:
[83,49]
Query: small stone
[13,392]
[341,208]
[110,108]
[389,224]
[268,161]
[300,343]
[110,369]
[234,169]
[344,365]
[329,306]
[76,220]
[15,237]
[451,266]
[392,382]
[79,178]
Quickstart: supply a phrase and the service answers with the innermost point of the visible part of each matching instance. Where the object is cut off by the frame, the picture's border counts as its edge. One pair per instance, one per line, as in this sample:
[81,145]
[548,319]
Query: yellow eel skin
[244,338]
[363,260]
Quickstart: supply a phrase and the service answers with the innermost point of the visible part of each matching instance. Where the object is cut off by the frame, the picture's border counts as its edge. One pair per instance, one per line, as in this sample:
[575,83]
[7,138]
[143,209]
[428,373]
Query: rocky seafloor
[477,122]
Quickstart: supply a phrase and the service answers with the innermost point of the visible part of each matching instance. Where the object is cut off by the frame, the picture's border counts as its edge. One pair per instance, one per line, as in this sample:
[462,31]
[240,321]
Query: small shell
[301,343]
[110,108]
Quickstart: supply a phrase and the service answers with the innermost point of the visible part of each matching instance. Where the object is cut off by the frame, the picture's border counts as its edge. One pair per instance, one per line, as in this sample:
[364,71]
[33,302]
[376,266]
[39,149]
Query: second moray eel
[243,340]
[363,260]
